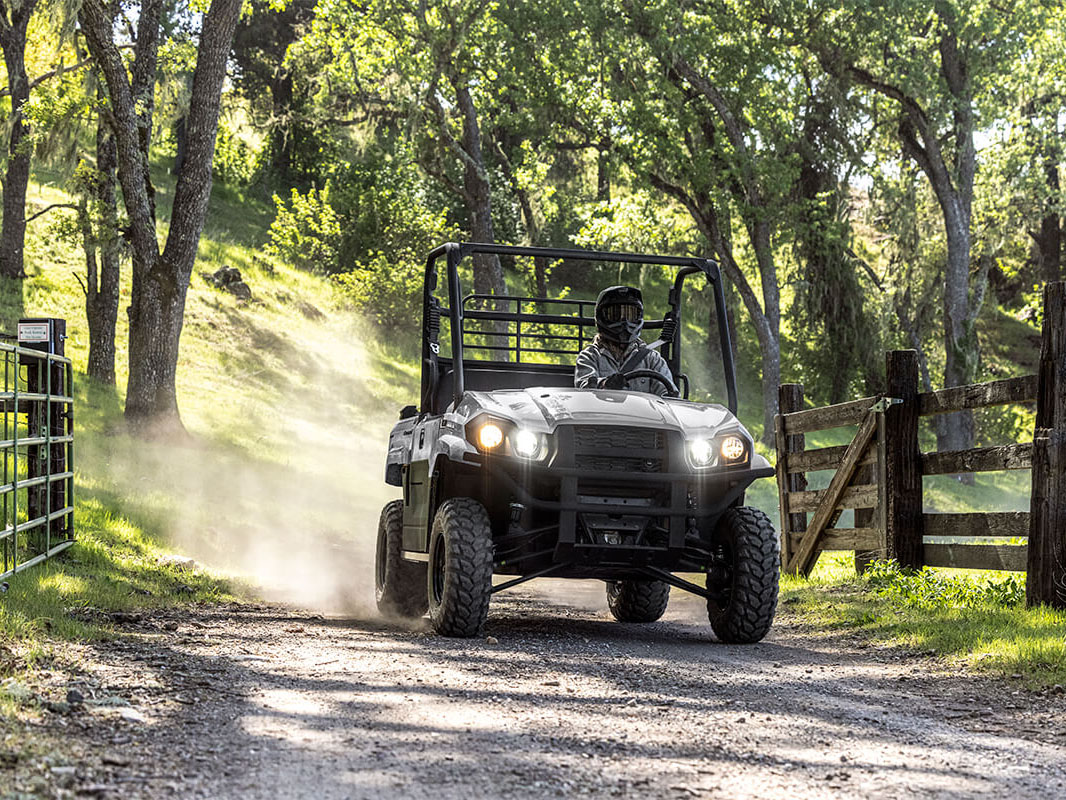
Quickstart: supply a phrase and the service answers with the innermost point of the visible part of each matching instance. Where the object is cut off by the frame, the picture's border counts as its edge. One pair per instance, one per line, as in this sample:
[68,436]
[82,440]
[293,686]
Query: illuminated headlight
[490,436]
[732,449]
[701,452]
[526,444]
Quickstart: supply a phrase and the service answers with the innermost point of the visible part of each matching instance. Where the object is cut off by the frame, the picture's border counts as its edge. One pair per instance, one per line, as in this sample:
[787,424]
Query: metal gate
[37,449]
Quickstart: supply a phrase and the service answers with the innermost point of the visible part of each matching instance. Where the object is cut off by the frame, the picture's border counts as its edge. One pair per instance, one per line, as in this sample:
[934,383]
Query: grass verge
[975,620]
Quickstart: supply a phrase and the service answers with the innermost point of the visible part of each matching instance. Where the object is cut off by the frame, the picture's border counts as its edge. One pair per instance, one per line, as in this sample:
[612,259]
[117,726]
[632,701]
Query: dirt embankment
[554,701]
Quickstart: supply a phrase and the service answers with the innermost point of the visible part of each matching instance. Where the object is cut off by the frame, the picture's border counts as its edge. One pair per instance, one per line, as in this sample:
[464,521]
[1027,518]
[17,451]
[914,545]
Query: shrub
[928,589]
[388,291]
[234,161]
[306,231]
[390,221]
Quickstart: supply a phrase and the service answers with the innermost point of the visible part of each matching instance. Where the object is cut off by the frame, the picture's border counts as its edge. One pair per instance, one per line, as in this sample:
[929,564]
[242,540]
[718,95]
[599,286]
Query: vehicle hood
[542,409]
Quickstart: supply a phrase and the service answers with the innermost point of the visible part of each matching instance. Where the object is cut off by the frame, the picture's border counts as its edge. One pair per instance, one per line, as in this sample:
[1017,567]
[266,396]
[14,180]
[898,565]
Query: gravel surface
[555,700]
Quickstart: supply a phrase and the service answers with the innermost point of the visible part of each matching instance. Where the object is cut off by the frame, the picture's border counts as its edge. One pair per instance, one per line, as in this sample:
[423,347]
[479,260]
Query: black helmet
[620,314]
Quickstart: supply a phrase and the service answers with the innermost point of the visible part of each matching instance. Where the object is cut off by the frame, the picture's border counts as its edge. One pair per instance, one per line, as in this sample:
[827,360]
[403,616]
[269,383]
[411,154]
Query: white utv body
[507,469]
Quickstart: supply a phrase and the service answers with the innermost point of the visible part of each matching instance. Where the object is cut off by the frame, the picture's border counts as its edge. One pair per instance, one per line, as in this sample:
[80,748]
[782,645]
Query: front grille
[617,448]
[612,437]
[607,463]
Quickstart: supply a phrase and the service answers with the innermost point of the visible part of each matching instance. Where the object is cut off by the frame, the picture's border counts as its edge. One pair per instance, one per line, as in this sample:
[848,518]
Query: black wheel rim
[436,570]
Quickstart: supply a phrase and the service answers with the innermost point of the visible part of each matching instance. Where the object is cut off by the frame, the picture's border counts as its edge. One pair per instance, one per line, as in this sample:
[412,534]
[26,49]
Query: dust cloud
[281,481]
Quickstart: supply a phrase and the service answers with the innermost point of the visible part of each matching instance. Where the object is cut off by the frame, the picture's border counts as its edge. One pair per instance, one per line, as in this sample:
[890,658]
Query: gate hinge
[881,406]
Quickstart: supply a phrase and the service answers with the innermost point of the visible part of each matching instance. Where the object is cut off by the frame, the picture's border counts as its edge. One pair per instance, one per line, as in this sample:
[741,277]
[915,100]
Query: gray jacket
[597,361]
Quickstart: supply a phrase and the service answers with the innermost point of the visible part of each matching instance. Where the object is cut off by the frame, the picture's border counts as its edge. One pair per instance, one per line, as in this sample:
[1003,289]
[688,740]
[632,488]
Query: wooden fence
[879,474]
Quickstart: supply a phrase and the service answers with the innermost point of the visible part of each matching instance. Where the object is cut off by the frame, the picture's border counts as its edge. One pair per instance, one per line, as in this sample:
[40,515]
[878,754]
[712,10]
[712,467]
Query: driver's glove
[616,381]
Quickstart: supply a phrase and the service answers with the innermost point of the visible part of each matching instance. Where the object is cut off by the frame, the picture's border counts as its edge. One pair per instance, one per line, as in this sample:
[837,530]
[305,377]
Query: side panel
[416,506]
[417,486]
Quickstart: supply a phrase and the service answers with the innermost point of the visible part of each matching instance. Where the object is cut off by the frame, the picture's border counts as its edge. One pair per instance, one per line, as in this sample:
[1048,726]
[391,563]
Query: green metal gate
[37,449]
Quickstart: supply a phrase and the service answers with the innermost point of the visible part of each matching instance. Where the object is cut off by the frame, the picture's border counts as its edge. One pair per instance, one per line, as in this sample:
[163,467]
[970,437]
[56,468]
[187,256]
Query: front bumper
[601,521]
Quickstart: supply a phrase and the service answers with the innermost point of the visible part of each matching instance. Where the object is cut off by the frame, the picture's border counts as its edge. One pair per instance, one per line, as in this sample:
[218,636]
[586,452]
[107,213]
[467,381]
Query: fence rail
[883,482]
[37,453]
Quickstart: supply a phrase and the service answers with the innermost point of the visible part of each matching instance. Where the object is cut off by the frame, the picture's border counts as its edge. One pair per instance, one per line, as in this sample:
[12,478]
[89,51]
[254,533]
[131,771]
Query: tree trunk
[603,176]
[953,184]
[145,61]
[17,176]
[101,301]
[179,141]
[767,326]
[161,280]
[765,318]
[1049,238]
[767,332]
[281,132]
[157,312]
[529,221]
[488,272]
[956,431]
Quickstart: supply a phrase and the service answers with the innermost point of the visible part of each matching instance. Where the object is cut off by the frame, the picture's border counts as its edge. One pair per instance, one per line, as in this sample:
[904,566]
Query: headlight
[502,437]
[701,452]
[490,436]
[725,451]
[732,449]
[526,444]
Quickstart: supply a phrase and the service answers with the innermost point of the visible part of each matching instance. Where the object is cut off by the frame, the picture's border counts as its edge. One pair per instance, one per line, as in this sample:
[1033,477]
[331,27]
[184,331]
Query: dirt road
[264,702]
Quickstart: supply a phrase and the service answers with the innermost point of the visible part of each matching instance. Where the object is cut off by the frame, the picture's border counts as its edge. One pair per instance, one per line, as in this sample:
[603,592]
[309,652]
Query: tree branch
[449,140]
[707,221]
[926,154]
[50,74]
[447,182]
[46,209]
[524,201]
[866,268]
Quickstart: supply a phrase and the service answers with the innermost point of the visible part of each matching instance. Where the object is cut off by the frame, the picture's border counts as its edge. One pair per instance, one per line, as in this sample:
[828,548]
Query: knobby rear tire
[637,601]
[400,586]
[459,578]
[752,557]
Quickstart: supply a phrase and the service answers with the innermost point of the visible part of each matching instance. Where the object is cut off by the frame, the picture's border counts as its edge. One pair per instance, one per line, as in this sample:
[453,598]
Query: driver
[617,348]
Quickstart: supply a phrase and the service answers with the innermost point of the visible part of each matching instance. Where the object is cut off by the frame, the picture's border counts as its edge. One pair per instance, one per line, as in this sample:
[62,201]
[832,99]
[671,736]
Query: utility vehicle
[507,469]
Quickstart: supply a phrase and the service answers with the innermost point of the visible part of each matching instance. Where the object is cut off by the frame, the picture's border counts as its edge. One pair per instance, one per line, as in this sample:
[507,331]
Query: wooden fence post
[790,398]
[903,471]
[1046,577]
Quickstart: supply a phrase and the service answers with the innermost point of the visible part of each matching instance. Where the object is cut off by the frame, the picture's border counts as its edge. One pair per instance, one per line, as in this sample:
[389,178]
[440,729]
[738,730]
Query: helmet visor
[620,313]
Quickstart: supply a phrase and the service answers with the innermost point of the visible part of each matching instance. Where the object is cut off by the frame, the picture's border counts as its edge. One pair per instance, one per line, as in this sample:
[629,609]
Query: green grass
[965,618]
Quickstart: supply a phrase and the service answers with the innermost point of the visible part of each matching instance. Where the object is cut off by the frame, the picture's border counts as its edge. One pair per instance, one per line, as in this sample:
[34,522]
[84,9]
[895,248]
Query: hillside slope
[288,401]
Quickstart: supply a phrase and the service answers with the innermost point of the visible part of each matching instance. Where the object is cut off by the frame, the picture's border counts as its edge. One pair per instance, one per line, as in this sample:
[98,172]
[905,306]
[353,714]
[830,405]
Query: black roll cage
[455,252]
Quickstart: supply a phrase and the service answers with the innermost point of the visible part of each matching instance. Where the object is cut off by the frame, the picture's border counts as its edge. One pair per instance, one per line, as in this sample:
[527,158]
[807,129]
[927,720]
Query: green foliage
[58,112]
[234,161]
[371,232]
[636,223]
[389,292]
[306,231]
[928,588]
[386,209]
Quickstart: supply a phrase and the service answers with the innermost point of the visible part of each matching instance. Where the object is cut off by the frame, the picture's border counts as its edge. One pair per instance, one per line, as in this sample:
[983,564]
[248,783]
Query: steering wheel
[671,389]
